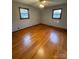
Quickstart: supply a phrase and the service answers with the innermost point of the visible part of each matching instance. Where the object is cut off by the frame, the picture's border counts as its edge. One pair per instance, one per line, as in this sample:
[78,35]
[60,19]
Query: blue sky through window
[57,13]
[24,13]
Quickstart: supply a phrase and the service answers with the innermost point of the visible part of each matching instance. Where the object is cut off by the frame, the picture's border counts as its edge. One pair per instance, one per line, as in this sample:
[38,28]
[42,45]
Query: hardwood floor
[39,42]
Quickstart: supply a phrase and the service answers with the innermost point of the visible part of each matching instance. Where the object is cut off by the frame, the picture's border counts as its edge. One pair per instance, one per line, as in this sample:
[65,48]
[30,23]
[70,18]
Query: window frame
[53,13]
[20,13]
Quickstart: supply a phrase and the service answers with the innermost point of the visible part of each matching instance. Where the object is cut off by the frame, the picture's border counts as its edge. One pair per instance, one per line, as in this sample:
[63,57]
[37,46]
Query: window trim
[53,13]
[20,13]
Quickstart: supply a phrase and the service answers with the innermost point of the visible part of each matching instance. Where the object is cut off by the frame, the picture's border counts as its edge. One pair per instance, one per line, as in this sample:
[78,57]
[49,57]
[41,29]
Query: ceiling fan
[42,3]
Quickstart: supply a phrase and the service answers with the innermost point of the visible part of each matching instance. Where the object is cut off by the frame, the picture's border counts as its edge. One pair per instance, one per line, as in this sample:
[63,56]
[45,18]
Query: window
[56,13]
[24,13]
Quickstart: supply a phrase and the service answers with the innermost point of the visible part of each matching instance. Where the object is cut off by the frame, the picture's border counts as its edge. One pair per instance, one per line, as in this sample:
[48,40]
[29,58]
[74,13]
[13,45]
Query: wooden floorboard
[39,42]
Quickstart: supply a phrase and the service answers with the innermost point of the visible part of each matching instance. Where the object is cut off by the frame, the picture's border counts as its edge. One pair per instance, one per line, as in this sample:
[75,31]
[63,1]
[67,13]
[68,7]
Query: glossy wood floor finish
[39,42]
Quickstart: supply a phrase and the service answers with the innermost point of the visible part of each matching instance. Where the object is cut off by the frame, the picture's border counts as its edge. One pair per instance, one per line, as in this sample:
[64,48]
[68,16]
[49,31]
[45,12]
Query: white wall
[16,22]
[46,15]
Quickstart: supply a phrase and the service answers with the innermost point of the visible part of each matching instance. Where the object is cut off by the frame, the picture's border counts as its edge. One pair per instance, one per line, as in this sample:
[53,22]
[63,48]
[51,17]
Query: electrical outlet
[18,28]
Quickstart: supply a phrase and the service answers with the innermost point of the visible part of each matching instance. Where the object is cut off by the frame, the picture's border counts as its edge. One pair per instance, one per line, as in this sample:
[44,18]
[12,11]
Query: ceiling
[36,3]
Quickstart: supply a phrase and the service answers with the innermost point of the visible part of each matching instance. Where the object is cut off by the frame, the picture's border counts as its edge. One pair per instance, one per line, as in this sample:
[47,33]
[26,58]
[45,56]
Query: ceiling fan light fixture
[44,1]
[41,6]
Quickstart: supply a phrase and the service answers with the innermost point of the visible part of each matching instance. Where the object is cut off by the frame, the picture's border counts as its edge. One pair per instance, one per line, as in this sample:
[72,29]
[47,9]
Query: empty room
[39,29]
